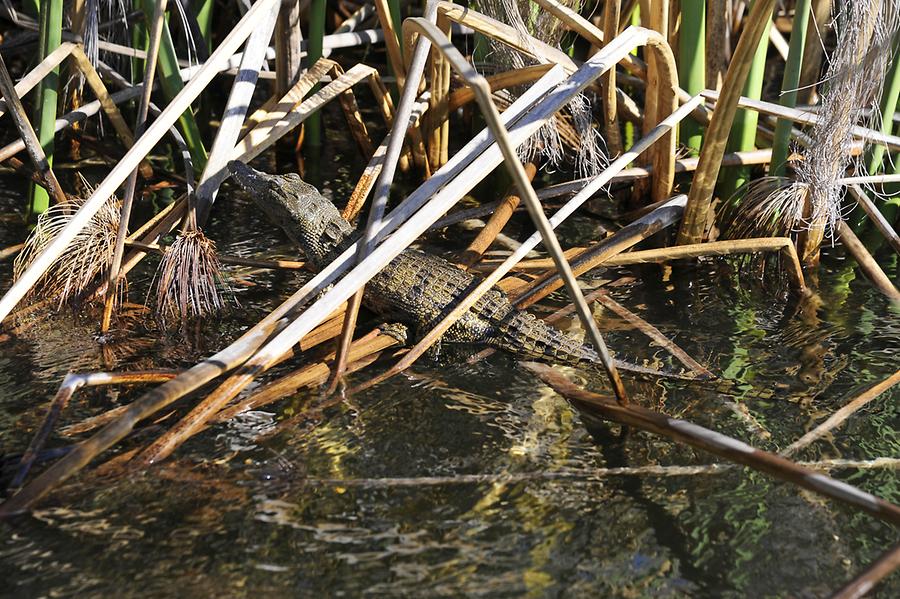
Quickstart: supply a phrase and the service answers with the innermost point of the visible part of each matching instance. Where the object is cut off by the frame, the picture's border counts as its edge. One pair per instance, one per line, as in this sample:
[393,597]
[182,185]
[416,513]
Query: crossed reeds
[810,207]
[188,274]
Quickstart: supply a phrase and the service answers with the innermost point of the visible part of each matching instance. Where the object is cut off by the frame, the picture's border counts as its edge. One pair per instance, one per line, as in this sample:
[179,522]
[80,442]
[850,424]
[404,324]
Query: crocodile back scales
[416,288]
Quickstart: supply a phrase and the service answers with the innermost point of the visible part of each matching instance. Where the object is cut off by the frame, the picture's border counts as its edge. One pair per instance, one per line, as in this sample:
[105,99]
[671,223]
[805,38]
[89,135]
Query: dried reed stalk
[72,383]
[717,443]
[693,225]
[866,261]
[498,220]
[611,131]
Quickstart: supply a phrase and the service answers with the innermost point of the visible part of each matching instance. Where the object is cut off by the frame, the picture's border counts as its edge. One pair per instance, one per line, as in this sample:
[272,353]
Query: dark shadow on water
[667,532]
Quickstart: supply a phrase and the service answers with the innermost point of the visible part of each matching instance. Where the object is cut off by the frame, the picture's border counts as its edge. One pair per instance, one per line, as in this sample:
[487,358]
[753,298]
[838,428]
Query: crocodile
[416,289]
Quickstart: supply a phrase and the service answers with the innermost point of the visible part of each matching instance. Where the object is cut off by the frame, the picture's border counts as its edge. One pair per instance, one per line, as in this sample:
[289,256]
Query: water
[359,499]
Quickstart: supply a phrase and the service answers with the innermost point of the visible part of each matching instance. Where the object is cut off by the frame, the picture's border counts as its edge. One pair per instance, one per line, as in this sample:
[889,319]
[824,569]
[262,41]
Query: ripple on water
[350,501]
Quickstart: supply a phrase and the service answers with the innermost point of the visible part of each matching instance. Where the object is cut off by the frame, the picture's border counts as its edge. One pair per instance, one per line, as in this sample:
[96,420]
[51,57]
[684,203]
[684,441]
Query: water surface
[364,497]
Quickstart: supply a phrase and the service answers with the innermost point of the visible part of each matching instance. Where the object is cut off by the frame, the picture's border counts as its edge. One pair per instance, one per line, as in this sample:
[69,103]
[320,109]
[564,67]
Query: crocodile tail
[524,335]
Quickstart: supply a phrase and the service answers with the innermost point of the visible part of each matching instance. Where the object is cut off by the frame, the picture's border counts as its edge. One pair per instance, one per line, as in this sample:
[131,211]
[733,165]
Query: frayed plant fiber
[853,86]
[189,280]
[530,22]
[87,258]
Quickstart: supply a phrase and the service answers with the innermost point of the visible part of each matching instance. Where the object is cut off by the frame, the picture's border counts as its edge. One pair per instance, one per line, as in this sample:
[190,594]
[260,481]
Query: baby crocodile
[415,289]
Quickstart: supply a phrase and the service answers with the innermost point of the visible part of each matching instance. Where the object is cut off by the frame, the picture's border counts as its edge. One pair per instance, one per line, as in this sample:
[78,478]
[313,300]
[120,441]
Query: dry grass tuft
[854,79]
[812,204]
[189,280]
[531,22]
[766,207]
[87,258]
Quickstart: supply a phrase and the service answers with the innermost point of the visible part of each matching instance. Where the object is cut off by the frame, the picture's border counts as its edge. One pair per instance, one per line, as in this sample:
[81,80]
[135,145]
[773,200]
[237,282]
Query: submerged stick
[363,350]
[876,216]
[841,416]
[718,444]
[867,263]
[877,571]
[653,333]
[573,474]
[72,383]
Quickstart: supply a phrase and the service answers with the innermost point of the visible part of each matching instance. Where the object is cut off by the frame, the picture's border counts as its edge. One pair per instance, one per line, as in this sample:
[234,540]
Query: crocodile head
[308,218]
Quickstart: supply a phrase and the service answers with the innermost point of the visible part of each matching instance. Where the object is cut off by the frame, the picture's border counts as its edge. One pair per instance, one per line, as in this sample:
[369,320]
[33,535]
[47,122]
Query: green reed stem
[204,21]
[890,208]
[743,132]
[171,83]
[49,38]
[889,97]
[316,37]
[628,140]
[789,84]
[692,63]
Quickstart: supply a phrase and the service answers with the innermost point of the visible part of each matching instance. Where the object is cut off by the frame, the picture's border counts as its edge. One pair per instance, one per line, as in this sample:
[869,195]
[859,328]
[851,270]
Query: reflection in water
[236,512]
